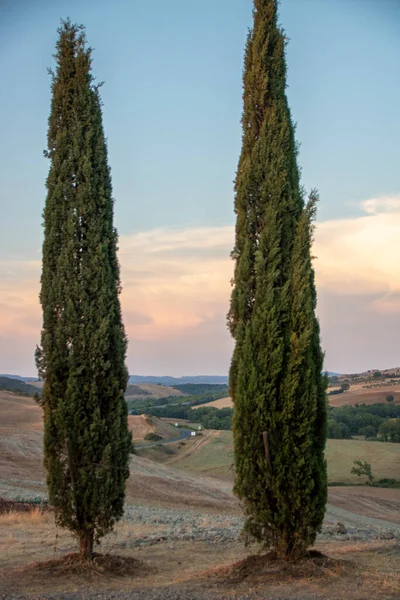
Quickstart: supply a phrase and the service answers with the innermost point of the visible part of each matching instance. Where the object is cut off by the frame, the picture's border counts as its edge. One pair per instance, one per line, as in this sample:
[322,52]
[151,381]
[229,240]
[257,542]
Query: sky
[172,109]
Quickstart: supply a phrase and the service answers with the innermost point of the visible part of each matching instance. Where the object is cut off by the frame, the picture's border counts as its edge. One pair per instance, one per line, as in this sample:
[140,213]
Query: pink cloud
[176,290]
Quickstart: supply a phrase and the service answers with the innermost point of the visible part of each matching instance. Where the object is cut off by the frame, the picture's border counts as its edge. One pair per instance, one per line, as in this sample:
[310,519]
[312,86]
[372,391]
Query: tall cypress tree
[83,343]
[276,379]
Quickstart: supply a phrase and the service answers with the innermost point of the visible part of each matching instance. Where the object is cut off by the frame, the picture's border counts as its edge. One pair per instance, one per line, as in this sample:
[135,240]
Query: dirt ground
[360,395]
[33,563]
[33,550]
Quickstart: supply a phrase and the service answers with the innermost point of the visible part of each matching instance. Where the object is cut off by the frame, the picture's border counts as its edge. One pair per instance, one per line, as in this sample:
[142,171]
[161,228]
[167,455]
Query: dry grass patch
[337,571]
[267,567]
[36,516]
[109,565]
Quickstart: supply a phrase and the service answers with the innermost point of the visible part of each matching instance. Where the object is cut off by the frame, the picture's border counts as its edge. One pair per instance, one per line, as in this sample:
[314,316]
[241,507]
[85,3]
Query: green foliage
[83,344]
[345,387]
[213,418]
[203,389]
[338,431]
[138,406]
[152,437]
[390,398]
[369,432]
[362,420]
[377,375]
[389,431]
[276,379]
[334,392]
[208,417]
[387,483]
[363,469]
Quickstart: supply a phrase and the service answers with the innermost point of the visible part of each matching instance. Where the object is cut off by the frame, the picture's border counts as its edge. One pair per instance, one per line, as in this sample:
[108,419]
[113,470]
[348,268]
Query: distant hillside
[17,386]
[150,390]
[173,381]
[201,389]
[135,390]
[18,377]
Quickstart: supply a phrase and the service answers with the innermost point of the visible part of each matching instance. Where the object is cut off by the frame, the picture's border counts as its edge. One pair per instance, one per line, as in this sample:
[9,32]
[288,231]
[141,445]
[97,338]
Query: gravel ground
[187,525]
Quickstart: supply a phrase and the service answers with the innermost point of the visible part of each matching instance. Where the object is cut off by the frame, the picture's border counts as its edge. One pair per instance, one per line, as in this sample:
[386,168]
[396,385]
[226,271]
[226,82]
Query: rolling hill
[17,386]
[357,394]
[212,455]
[141,425]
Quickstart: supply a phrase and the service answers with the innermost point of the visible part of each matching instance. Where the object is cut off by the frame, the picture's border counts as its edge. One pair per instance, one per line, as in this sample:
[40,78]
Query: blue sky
[172,107]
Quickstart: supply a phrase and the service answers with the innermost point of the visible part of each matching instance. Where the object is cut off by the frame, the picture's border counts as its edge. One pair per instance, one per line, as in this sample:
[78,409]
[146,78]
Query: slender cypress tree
[276,379]
[82,356]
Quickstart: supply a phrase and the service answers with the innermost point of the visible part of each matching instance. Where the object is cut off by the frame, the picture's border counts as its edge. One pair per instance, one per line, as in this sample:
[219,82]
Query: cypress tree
[276,379]
[83,344]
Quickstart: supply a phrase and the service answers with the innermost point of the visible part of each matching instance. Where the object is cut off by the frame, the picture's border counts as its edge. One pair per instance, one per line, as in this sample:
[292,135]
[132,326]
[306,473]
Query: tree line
[374,421]
[141,405]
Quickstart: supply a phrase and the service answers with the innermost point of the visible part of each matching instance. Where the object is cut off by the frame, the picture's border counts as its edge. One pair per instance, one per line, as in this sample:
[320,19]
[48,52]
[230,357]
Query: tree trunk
[86,545]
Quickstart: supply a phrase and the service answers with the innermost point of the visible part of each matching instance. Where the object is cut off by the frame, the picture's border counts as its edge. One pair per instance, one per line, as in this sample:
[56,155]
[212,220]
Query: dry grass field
[33,551]
[211,454]
[383,457]
[21,416]
[356,395]
[22,472]
[221,403]
[34,561]
[361,395]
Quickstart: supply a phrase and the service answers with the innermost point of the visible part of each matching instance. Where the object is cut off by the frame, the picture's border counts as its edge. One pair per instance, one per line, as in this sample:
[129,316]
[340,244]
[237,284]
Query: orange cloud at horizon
[176,288]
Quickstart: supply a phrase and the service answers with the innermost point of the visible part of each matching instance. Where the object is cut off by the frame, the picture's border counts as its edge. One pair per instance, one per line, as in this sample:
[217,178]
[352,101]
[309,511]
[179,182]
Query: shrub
[152,437]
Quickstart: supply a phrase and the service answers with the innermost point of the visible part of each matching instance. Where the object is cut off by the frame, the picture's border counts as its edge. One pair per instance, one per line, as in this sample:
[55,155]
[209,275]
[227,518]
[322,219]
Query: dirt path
[198,443]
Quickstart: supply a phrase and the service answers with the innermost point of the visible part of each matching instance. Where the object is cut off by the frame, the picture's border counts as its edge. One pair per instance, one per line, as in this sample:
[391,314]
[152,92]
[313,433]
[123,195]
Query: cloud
[361,255]
[384,204]
[176,289]
[179,278]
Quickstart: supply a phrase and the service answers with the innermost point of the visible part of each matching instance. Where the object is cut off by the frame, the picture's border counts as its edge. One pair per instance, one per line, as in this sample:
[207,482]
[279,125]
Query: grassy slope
[151,390]
[383,457]
[141,425]
[221,403]
[216,457]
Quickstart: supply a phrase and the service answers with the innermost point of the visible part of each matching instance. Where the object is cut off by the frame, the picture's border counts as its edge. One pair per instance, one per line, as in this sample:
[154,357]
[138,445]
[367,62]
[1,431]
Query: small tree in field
[390,398]
[363,469]
[83,344]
